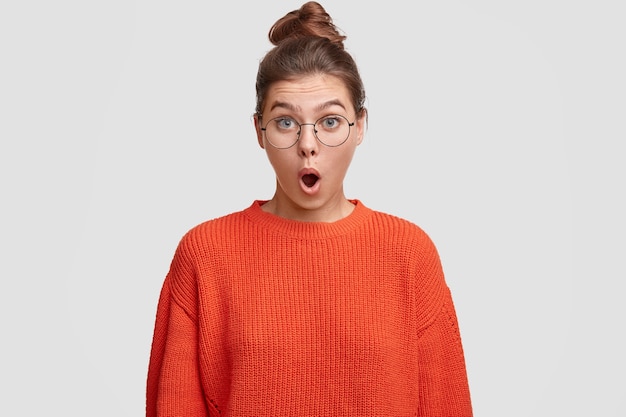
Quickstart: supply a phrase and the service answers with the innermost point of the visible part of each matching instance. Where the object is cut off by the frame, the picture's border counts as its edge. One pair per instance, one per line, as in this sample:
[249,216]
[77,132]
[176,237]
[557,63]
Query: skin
[306,100]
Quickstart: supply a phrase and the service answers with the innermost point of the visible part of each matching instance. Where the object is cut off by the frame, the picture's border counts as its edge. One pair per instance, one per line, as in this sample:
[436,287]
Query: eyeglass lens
[284,132]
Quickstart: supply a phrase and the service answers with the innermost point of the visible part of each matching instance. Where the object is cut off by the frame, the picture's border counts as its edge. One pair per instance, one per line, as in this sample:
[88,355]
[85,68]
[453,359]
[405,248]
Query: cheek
[340,162]
[279,160]
[350,149]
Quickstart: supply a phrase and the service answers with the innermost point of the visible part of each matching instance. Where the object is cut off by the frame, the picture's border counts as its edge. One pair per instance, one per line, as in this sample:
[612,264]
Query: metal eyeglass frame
[350,124]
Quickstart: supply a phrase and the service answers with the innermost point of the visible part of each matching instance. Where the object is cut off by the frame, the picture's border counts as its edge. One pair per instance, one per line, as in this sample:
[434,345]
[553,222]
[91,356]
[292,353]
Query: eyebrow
[294,108]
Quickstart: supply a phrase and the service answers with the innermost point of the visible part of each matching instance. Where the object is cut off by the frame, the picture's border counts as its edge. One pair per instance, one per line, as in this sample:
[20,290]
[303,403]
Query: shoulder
[209,236]
[388,219]
[410,245]
[401,231]
[213,226]
[200,244]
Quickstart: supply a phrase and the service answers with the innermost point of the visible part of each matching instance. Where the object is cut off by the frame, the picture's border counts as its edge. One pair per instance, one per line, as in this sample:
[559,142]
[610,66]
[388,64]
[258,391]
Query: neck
[326,212]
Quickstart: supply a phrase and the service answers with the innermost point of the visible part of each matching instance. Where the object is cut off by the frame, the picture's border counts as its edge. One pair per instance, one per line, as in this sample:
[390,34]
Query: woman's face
[309,174]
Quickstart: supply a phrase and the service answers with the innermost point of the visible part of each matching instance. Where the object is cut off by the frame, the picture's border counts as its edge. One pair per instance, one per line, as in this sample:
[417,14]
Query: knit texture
[264,316]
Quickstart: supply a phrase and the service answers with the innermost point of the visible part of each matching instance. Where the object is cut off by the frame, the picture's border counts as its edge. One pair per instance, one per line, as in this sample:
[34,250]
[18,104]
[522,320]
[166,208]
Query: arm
[173,386]
[444,389]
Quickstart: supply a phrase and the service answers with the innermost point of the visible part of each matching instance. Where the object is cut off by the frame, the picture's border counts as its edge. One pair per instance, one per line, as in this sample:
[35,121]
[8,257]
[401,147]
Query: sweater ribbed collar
[307,230]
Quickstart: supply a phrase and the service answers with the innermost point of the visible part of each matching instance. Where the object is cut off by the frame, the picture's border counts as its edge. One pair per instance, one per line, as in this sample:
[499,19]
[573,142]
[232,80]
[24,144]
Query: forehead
[308,93]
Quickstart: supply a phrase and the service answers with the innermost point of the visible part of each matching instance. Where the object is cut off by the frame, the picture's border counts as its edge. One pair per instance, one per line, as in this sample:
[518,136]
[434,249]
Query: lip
[306,189]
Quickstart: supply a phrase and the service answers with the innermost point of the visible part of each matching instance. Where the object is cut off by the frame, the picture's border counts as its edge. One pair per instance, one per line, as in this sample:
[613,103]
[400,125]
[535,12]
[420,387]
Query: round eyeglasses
[283,132]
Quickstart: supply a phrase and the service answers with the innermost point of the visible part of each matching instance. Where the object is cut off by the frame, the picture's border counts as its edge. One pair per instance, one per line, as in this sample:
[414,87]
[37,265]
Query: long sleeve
[444,389]
[265,316]
[158,348]
[173,386]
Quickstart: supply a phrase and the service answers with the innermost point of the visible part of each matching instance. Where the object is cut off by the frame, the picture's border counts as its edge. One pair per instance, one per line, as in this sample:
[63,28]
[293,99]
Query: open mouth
[309,179]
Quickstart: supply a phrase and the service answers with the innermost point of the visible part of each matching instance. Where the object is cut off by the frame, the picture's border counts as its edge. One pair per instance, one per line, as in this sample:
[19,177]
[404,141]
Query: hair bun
[310,20]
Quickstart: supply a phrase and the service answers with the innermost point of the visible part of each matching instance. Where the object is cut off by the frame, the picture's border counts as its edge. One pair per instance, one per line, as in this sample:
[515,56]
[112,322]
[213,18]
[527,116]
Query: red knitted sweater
[264,316]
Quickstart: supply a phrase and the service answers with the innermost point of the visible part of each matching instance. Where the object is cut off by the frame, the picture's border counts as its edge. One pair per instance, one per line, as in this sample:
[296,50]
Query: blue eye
[285,123]
[330,122]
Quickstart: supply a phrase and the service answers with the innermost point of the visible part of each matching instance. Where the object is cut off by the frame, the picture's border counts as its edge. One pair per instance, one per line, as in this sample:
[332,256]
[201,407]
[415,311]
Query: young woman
[308,304]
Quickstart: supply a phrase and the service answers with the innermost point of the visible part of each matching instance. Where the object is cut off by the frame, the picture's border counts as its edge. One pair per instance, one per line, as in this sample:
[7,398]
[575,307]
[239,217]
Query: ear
[259,133]
[361,126]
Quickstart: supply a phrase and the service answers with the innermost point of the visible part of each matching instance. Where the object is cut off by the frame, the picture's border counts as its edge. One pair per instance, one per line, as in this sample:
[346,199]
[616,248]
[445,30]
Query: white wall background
[496,126]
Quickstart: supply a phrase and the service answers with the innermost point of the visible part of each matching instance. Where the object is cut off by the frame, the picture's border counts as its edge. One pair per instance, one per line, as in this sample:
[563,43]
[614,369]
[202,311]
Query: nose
[307,141]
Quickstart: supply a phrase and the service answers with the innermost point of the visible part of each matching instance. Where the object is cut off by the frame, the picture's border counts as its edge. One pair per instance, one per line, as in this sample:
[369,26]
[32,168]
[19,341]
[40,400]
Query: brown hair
[306,43]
